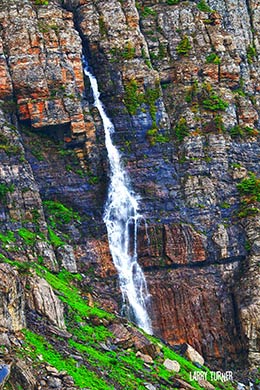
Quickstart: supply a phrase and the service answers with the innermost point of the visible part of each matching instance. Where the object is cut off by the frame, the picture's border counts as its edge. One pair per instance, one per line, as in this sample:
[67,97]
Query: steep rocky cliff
[180,80]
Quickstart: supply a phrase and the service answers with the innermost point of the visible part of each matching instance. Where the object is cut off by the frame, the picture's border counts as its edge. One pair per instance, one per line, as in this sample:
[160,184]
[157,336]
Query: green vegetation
[28,237]
[55,240]
[206,97]
[134,98]
[181,130]
[59,214]
[249,189]
[81,375]
[8,146]
[150,98]
[154,136]
[9,106]
[172,2]
[219,124]
[242,132]
[213,58]
[69,294]
[203,6]
[45,28]
[214,103]
[41,2]
[251,54]
[102,26]
[7,238]
[4,190]
[236,165]
[225,205]
[184,46]
[100,368]
[128,53]
[162,53]
[192,91]
[147,11]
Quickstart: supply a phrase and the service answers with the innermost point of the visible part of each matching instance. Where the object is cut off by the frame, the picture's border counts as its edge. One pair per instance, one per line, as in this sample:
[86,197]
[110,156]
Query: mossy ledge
[104,364]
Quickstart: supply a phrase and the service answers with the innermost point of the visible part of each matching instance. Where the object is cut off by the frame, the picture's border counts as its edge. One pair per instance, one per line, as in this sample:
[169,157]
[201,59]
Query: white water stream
[121,217]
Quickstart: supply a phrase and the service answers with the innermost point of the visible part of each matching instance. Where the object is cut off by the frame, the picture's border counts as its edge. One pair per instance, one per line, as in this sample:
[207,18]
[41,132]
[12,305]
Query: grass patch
[59,213]
[70,294]
[81,375]
[55,240]
[27,236]
[7,238]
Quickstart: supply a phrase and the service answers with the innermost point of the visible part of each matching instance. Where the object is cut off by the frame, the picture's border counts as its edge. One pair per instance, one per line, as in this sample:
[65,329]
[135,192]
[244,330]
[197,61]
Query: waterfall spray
[121,217]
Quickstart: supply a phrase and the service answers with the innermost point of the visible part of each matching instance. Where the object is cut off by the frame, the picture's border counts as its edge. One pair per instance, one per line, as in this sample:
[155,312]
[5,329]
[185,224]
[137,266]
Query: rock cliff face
[180,81]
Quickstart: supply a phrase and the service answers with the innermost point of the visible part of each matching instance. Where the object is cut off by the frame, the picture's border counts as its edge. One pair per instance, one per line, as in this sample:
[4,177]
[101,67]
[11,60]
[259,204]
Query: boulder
[172,365]
[66,256]
[146,358]
[12,299]
[22,376]
[42,299]
[192,355]
[205,384]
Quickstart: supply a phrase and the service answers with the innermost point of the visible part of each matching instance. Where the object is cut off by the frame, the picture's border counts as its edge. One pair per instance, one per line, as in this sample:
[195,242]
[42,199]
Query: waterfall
[121,217]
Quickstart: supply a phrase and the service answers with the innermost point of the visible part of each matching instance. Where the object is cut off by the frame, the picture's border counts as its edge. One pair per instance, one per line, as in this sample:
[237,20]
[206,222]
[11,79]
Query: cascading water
[121,217]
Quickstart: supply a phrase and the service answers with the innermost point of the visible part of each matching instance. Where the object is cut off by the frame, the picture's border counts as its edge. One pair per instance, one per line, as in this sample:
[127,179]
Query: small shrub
[238,131]
[133,98]
[251,53]
[218,120]
[236,165]
[129,52]
[249,188]
[192,92]
[147,11]
[181,130]
[102,26]
[213,58]
[172,2]
[225,205]
[8,147]
[150,98]
[4,190]
[248,212]
[203,6]
[184,46]
[41,2]
[154,136]
[214,103]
